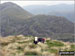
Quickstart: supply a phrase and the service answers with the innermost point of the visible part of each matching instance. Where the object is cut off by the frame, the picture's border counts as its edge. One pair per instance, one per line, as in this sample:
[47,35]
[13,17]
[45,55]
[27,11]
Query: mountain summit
[13,9]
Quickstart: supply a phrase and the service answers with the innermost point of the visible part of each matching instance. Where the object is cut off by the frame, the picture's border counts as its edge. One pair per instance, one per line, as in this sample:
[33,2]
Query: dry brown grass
[21,45]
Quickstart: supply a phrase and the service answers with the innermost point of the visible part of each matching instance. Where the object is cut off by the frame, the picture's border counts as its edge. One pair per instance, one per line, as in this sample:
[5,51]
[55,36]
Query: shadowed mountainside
[15,20]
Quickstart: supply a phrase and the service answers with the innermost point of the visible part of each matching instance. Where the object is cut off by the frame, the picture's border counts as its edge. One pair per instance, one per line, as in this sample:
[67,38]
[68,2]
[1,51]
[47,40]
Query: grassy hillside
[23,46]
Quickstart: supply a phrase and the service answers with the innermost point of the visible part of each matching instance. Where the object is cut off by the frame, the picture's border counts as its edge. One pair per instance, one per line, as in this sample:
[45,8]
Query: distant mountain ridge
[58,7]
[15,21]
[58,10]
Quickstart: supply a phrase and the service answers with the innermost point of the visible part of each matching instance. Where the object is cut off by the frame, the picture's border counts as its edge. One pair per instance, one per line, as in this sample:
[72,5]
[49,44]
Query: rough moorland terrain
[23,46]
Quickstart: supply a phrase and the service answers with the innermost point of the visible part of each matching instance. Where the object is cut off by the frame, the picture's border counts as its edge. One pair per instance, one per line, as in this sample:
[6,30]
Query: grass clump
[4,44]
[32,46]
[31,53]
[20,48]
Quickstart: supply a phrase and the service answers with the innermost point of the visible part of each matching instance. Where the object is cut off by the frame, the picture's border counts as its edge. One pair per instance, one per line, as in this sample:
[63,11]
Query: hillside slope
[53,26]
[23,46]
[12,18]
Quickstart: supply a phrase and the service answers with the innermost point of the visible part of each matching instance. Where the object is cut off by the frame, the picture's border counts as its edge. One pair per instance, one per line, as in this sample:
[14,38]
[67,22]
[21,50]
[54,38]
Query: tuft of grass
[32,46]
[20,48]
[4,44]
[29,53]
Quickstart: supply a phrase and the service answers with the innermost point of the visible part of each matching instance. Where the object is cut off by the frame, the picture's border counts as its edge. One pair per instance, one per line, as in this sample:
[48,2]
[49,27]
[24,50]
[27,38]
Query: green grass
[54,43]
[53,50]
[72,47]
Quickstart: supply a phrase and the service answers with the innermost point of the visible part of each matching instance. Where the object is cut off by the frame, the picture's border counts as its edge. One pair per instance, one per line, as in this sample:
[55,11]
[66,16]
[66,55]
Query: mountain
[12,17]
[58,10]
[11,7]
[15,21]
[68,14]
[50,26]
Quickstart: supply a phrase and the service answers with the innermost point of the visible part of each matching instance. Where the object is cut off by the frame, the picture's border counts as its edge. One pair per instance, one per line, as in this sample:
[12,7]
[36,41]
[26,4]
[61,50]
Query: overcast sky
[26,3]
